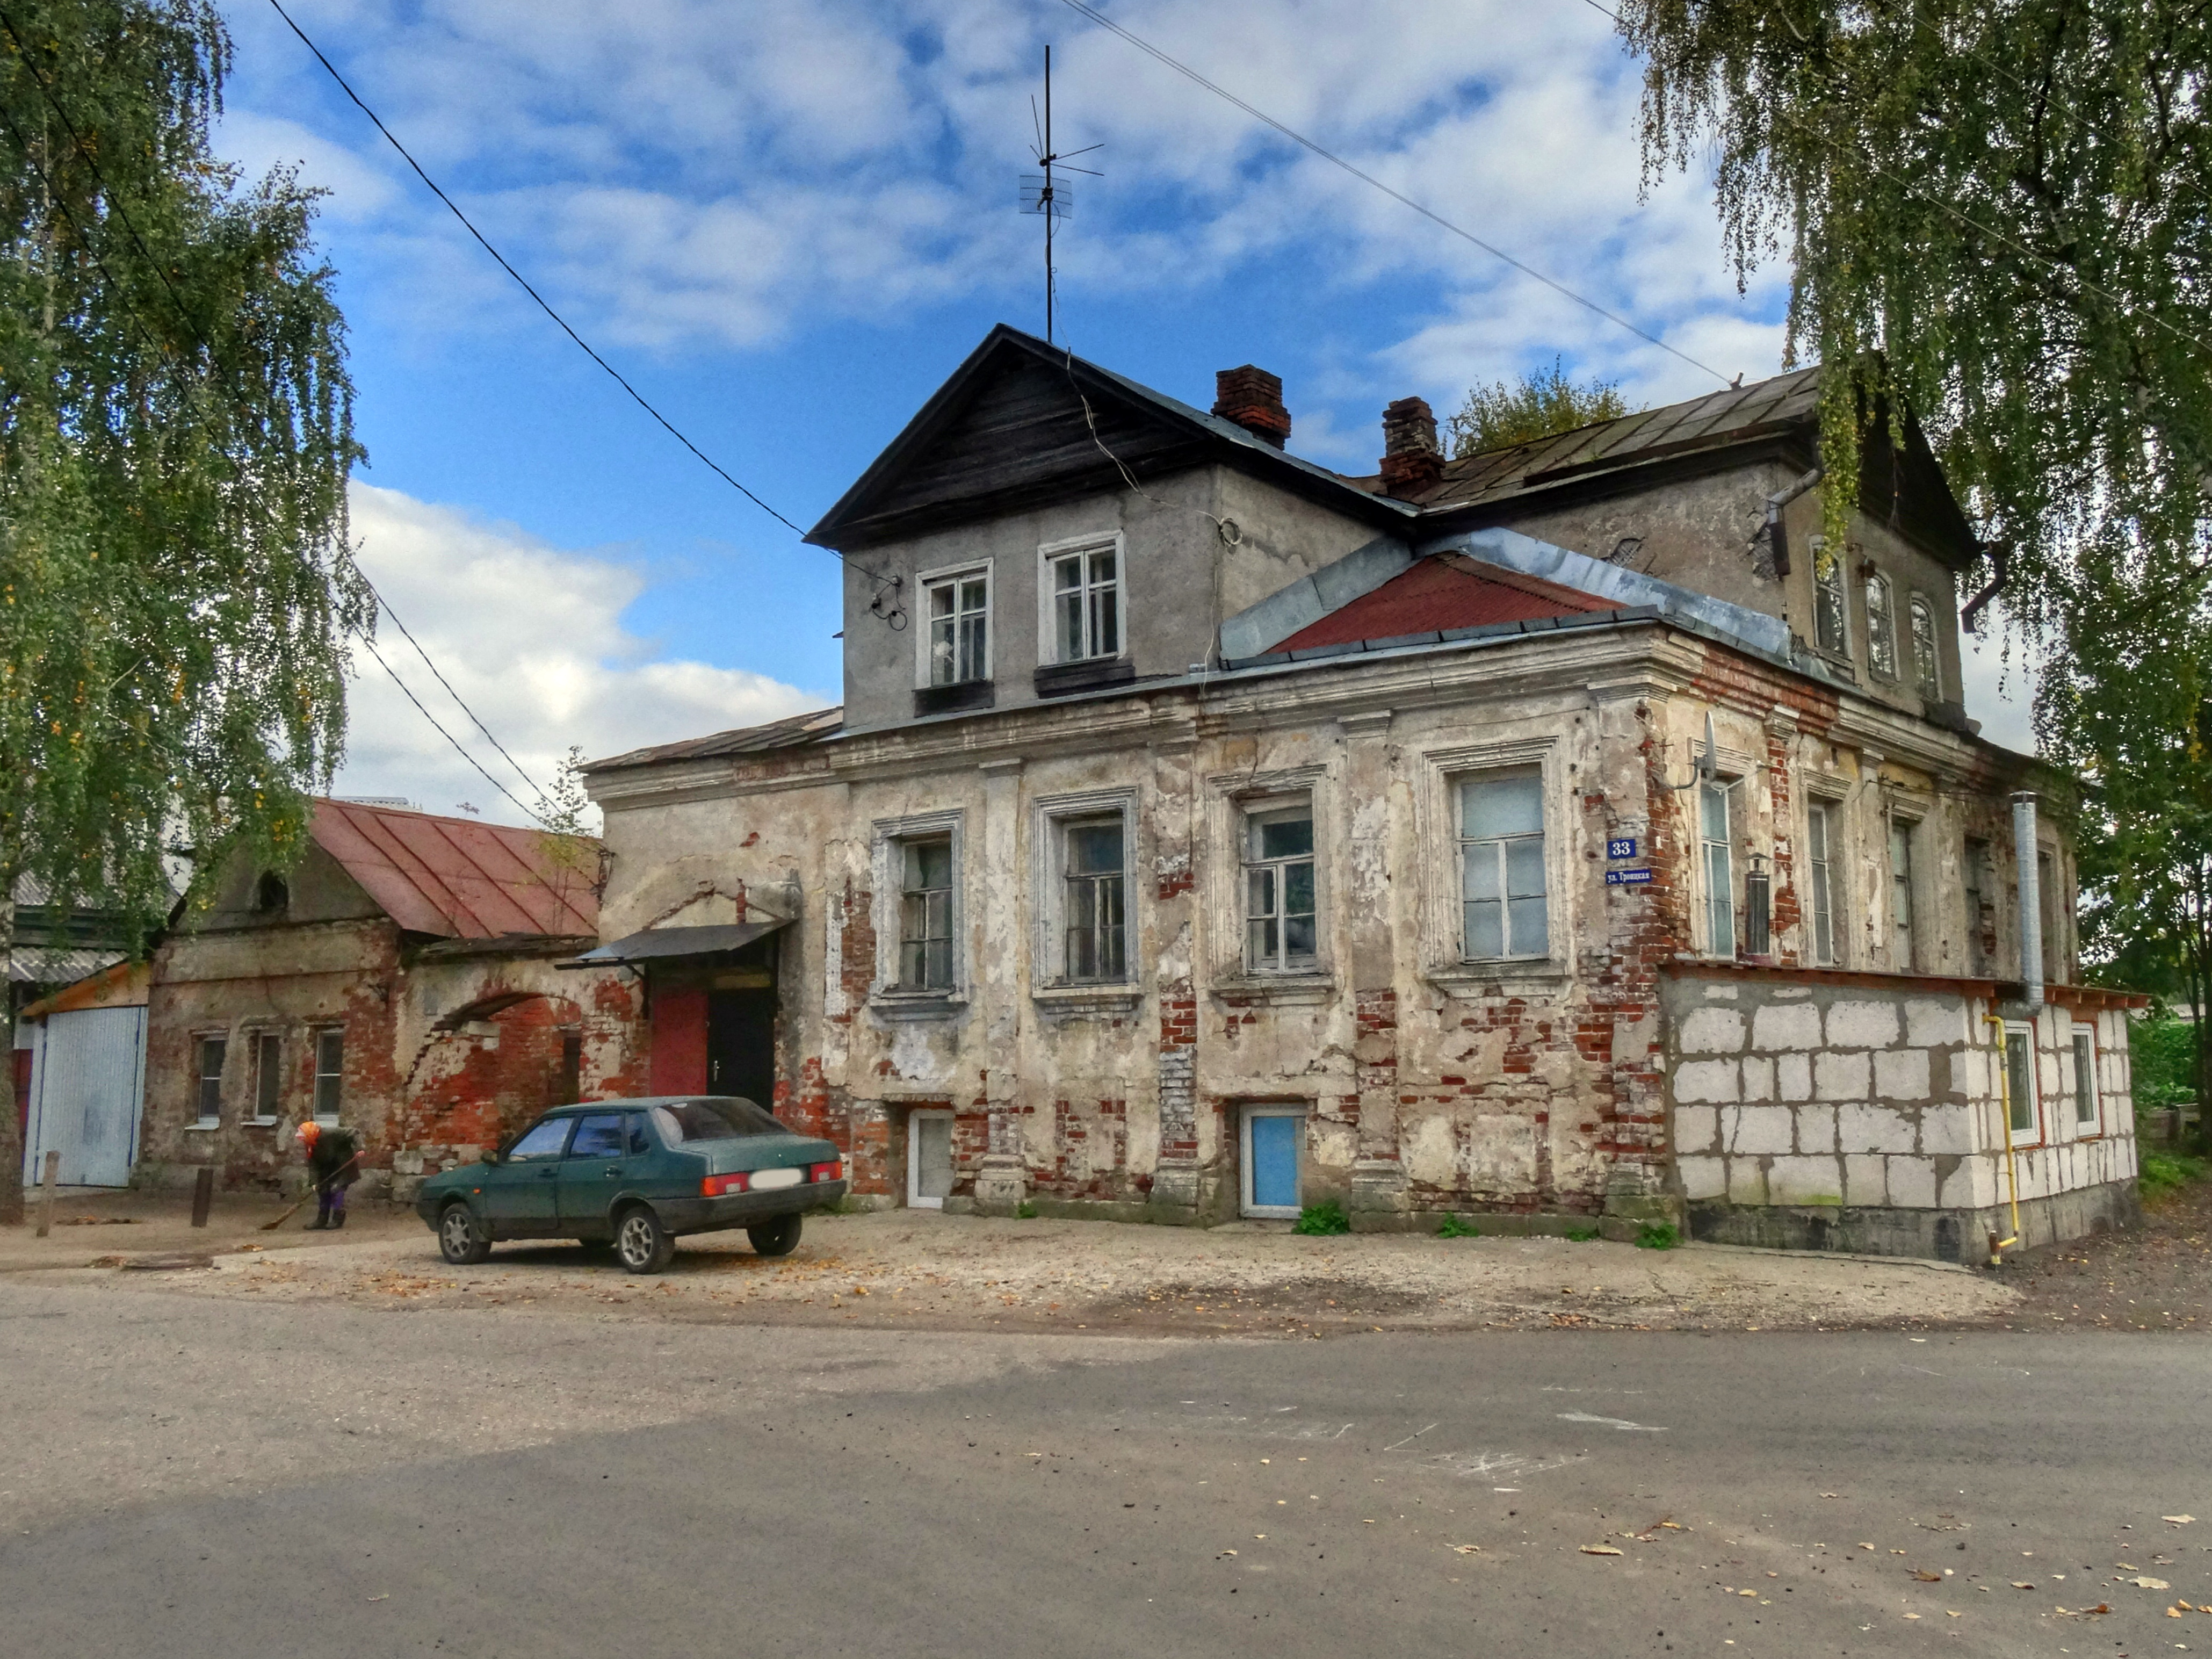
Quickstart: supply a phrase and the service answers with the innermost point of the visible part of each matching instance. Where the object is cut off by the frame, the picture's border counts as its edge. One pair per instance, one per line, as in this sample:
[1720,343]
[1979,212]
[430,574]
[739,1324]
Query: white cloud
[532,637]
[2000,688]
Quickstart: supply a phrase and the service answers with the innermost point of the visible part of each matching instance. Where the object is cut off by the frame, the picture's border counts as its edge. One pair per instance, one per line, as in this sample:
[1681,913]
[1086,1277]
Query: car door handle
[549,1172]
[614,1171]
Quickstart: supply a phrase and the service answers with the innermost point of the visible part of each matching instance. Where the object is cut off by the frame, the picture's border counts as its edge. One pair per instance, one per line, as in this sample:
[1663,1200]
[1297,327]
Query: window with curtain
[1881,626]
[1504,910]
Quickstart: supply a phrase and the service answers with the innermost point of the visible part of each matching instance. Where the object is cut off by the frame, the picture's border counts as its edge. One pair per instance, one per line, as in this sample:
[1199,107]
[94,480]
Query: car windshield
[727,1118]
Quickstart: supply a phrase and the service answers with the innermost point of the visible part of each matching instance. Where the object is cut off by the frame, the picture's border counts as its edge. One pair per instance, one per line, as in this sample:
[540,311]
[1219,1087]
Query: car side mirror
[488,1155]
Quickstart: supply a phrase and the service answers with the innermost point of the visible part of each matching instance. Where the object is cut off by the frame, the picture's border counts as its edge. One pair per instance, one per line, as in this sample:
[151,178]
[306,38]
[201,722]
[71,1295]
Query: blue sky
[786,223]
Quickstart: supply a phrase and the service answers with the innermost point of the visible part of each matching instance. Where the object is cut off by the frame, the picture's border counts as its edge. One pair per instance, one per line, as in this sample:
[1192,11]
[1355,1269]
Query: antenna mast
[1046,195]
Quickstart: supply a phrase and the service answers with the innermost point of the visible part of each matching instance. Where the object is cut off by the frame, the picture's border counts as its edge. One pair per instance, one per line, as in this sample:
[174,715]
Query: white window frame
[1245,1117]
[914,1200]
[202,1118]
[888,864]
[315,1101]
[1462,842]
[943,576]
[2032,1135]
[1894,825]
[1440,773]
[1719,948]
[1917,604]
[1055,816]
[1820,880]
[1048,653]
[2091,1126]
[1253,814]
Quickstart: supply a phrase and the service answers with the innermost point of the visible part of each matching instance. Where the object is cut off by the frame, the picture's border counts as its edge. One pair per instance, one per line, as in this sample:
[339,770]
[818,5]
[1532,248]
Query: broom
[312,1186]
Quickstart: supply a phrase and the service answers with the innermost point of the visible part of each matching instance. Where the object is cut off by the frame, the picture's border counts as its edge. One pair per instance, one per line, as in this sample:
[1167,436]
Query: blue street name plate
[1621,847]
[1627,877]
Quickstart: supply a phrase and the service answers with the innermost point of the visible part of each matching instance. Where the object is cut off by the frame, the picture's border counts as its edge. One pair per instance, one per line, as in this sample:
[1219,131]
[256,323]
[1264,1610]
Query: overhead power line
[1430,214]
[528,812]
[562,322]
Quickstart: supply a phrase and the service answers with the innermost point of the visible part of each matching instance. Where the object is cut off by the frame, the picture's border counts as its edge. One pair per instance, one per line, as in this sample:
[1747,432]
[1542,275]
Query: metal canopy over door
[928,1160]
[88,1078]
[1273,1138]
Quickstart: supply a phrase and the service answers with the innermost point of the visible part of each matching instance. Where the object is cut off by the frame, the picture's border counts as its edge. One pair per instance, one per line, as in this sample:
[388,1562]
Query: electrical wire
[1296,137]
[560,321]
[365,640]
[115,202]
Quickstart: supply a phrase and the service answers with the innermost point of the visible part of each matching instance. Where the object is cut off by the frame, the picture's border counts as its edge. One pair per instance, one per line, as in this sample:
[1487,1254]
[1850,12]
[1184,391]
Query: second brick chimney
[1411,462]
[1252,399]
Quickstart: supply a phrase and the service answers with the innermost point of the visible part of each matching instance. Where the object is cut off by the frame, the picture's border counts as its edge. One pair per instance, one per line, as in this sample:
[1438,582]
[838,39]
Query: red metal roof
[1446,591]
[460,878]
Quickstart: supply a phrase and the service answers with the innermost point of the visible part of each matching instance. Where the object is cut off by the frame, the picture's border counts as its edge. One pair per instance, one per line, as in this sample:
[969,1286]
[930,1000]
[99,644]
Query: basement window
[329,1074]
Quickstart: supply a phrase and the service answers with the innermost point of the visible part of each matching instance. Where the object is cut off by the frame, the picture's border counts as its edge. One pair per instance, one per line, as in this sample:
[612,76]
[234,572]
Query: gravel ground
[899,1268]
[2155,1278]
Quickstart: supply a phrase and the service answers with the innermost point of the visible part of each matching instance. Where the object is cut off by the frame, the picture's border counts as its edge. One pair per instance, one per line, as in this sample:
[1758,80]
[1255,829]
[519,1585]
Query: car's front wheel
[641,1242]
[777,1237]
[462,1239]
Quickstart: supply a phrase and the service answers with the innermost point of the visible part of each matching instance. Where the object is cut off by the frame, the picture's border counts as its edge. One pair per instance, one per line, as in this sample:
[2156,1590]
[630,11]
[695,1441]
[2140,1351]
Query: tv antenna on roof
[1045,195]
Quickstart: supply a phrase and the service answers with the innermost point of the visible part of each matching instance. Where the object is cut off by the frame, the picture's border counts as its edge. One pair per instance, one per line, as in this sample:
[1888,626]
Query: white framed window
[268,1076]
[2023,1118]
[1903,935]
[330,1073]
[1717,864]
[1094,903]
[954,637]
[1080,597]
[209,1089]
[1820,865]
[1927,662]
[2085,1082]
[1830,614]
[926,914]
[1280,903]
[1881,626]
[1504,899]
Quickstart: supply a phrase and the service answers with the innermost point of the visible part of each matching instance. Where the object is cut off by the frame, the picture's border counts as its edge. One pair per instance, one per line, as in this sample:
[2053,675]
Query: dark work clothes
[328,1164]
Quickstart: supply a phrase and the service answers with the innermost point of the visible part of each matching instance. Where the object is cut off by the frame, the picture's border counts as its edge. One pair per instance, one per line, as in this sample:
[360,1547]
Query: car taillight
[716,1185]
[834,1169]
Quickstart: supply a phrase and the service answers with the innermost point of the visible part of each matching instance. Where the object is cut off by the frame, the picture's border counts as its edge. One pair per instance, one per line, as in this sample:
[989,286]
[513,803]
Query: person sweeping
[333,1158]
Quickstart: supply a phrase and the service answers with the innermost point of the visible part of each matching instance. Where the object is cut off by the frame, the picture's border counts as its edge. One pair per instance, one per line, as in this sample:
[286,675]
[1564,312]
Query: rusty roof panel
[461,879]
[1446,591]
[745,740]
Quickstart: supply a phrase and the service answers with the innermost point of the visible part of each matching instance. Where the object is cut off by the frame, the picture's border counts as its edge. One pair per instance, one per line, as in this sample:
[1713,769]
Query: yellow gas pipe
[2004,1123]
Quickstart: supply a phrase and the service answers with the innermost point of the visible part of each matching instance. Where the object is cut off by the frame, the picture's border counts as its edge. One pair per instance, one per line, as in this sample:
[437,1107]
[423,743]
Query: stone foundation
[1960,1235]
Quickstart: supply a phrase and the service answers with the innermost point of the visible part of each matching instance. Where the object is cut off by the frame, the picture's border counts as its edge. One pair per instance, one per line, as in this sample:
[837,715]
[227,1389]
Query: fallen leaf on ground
[2177,1520]
[2021,1583]
[1926,1577]
[1467,1549]
[2148,1583]
[1600,1549]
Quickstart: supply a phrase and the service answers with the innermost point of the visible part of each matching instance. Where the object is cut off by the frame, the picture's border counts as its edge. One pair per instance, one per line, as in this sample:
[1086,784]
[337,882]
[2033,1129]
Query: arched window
[270,895]
[1927,671]
[1881,627]
[1828,607]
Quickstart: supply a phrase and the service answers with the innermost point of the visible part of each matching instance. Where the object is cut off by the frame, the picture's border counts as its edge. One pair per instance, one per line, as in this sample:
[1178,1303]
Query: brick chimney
[1252,399]
[1411,462]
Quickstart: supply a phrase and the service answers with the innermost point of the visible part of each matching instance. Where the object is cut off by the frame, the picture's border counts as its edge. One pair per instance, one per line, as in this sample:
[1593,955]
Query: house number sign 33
[1621,847]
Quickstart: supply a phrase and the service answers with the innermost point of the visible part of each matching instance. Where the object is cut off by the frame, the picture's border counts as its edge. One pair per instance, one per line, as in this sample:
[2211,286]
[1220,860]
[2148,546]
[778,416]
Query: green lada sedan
[637,1174]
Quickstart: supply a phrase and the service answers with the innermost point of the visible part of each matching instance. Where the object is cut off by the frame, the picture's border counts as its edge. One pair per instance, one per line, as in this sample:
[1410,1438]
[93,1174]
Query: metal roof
[662,944]
[34,964]
[1446,591]
[745,740]
[461,879]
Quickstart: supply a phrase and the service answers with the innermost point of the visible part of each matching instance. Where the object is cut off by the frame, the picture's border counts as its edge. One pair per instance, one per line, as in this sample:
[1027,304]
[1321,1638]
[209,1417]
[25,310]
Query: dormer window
[270,895]
[1083,587]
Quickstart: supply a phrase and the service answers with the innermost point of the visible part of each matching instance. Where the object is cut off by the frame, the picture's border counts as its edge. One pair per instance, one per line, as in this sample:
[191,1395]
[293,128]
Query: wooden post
[202,1195]
[47,1181]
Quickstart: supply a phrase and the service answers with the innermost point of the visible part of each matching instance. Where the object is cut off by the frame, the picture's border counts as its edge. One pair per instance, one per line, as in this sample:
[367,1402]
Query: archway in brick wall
[490,1067]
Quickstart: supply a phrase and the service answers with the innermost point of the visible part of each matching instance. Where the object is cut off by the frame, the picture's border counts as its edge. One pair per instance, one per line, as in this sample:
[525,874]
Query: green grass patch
[1025,1211]
[2168,1172]
[1322,1220]
[1455,1228]
[1657,1236]
[1582,1235]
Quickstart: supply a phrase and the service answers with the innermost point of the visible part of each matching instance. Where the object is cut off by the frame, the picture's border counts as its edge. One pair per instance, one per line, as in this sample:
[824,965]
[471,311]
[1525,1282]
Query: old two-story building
[1561,833]
[404,979]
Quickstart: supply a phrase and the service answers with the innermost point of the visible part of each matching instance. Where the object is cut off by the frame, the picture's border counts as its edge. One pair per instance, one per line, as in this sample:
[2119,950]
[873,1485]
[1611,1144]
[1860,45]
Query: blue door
[1270,1153]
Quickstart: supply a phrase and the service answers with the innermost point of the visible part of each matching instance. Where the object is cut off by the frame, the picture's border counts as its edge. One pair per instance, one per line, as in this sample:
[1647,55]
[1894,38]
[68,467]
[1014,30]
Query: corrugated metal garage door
[87,1075]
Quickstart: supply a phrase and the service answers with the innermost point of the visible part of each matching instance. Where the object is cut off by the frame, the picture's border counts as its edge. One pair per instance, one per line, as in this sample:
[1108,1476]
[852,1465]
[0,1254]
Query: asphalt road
[188,1475]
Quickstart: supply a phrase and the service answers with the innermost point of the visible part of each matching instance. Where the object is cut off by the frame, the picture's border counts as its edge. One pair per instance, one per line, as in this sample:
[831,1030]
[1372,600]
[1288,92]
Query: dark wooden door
[741,1045]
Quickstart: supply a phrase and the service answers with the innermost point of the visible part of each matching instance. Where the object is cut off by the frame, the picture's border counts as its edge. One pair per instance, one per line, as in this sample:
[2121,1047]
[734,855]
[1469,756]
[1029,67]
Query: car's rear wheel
[462,1239]
[779,1237]
[643,1245]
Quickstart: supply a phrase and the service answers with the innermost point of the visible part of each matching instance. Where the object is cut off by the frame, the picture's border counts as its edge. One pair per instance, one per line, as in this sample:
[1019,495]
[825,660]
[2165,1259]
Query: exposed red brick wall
[475,1092]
